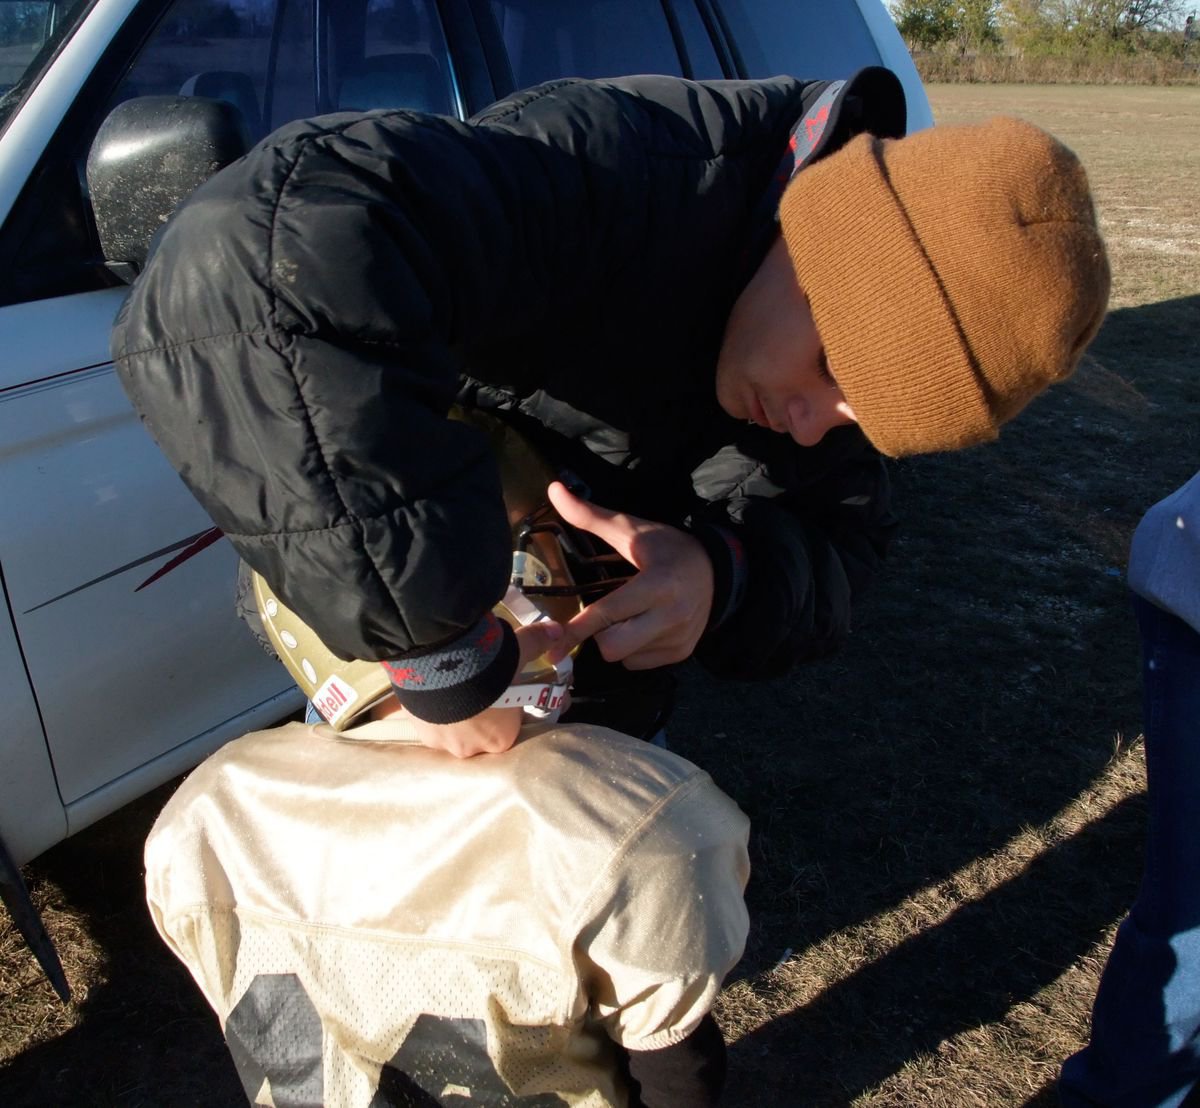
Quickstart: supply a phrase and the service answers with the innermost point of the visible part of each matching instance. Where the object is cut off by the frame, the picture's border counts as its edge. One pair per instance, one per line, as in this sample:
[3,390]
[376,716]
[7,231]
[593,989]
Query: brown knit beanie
[952,274]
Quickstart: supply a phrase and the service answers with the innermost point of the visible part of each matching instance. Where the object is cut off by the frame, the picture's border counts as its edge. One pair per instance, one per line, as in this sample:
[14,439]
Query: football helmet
[555,568]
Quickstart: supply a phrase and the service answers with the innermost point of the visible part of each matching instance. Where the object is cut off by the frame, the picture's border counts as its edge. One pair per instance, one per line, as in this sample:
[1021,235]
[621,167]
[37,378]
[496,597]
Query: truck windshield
[31,31]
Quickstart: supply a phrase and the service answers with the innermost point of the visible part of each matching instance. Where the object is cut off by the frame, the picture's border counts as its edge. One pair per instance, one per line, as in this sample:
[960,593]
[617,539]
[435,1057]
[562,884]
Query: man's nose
[808,422]
[805,423]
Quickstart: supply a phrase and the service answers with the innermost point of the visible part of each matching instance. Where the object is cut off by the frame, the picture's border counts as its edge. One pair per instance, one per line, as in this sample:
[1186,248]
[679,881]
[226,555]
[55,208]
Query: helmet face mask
[551,563]
[554,570]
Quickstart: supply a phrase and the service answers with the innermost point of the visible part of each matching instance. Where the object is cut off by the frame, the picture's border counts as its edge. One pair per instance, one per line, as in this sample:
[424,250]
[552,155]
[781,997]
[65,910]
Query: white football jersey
[376,923]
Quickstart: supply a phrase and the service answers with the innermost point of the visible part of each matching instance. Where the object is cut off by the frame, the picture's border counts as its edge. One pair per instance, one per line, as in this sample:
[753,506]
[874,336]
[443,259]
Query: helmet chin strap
[543,701]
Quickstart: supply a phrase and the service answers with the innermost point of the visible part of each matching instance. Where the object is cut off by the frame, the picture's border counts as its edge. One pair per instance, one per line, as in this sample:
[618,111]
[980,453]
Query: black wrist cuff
[728,557]
[460,679]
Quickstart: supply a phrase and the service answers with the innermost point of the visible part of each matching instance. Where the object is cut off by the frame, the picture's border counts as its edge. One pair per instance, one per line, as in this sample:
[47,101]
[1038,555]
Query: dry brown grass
[949,65]
[947,817]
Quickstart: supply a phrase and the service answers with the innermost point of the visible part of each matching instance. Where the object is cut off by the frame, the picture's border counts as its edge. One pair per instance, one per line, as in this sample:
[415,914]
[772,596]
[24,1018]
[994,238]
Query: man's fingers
[620,632]
[582,627]
[657,617]
[538,639]
[614,528]
[610,611]
[572,508]
[623,642]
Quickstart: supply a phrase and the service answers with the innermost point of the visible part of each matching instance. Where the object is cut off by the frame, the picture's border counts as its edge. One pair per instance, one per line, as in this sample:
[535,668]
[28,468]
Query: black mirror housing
[149,154]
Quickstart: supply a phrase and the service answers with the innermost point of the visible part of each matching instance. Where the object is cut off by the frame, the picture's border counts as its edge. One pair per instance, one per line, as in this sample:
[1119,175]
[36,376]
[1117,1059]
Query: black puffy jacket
[569,258]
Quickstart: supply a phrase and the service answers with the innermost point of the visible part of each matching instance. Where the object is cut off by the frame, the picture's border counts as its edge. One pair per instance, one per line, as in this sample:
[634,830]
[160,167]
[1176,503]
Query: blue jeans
[1145,1046]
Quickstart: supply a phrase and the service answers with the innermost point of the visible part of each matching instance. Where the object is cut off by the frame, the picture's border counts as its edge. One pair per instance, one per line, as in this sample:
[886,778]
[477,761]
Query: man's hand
[658,617]
[494,730]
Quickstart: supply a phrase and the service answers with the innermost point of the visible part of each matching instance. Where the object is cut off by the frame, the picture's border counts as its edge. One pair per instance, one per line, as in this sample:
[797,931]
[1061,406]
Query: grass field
[947,817]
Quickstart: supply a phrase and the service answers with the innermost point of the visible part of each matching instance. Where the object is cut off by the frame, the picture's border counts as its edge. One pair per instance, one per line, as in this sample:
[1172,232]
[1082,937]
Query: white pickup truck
[120,654]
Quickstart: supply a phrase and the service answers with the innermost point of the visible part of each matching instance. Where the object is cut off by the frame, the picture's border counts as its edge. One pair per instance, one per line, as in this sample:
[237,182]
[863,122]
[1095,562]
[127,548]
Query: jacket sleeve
[289,348]
[294,345]
[795,535]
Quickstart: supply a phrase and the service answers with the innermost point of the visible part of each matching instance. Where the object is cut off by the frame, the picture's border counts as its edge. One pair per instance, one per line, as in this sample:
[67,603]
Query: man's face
[772,369]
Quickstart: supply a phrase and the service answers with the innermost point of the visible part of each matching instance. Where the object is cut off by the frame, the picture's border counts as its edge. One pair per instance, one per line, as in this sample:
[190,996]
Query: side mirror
[149,154]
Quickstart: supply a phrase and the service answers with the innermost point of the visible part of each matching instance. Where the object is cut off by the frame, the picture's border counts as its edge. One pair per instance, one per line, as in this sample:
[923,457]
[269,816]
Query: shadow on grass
[969,970]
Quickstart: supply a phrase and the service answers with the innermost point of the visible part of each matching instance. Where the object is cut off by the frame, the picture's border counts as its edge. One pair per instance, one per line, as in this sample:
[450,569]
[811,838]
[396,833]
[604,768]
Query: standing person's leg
[1145,1045]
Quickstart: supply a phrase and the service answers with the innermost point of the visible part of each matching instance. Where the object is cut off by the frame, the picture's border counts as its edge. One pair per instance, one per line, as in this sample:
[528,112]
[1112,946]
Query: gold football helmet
[554,569]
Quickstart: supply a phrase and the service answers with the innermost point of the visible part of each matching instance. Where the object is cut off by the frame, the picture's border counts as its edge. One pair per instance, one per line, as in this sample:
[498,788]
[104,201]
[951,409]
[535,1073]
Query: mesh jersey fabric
[376,923]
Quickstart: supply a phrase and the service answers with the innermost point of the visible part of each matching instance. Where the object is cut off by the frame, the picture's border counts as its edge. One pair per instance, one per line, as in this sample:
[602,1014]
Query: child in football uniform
[376,922]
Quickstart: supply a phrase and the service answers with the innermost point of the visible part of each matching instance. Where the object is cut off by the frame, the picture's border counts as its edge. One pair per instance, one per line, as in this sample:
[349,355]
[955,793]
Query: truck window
[198,48]
[30,33]
[545,39]
[274,60]
[392,55]
[211,48]
[802,38]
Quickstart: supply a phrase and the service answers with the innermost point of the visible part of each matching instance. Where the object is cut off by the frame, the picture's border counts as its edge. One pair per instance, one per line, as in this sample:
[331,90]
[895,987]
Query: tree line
[1078,28]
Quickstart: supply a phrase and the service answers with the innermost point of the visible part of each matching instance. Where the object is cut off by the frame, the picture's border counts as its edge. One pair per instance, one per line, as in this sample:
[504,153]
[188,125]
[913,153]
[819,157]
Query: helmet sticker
[528,569]
[333,699]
